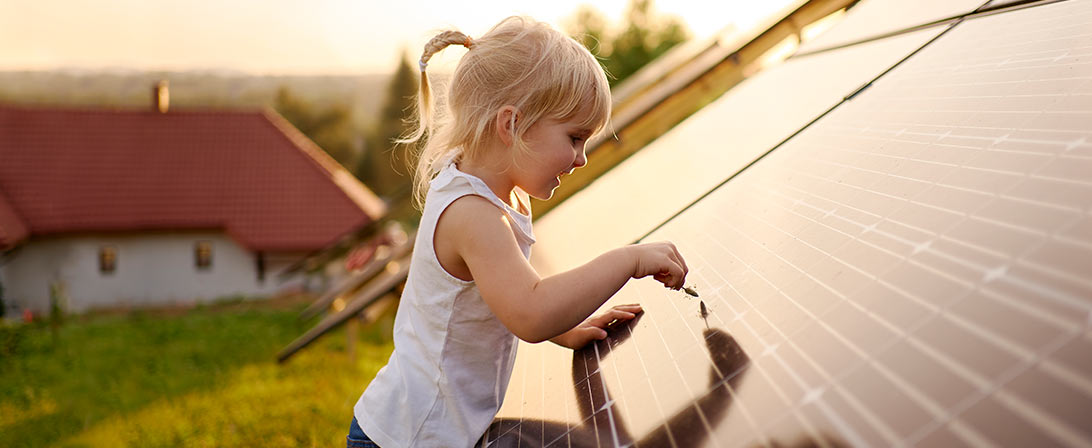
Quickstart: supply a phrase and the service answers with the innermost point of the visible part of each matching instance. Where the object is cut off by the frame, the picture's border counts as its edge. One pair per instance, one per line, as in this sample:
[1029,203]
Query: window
[108,259]
[261,266]
[202,255]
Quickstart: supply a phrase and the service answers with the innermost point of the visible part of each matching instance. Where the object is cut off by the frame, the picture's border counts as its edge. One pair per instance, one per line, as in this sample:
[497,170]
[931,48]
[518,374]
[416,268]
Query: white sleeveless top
[452,359]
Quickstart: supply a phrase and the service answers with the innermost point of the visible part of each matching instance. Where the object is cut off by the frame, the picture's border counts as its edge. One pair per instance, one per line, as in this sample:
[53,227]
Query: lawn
[205,376]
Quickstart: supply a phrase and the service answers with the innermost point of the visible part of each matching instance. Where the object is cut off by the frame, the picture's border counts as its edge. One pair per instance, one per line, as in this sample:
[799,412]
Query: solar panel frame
[870,19]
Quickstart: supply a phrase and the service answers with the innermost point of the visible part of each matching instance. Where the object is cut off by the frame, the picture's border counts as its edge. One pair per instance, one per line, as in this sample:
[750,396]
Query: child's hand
[594,328]
[662,261]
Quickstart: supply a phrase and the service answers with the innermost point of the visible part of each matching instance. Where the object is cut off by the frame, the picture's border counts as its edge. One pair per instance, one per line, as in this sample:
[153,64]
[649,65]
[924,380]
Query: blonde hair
[520,62]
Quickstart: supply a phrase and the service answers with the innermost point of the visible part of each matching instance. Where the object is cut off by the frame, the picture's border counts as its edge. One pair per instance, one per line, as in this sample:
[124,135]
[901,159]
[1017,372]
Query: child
[520,106]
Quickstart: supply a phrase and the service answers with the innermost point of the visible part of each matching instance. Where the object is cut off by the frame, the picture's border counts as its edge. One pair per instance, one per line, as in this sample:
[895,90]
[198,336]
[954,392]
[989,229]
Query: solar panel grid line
[1063,207]
[1037,416]
[986,387]
[756,308]
[634,405]
[648,376]
[951,404]
[771,351]
[997,222]
[988,272]
[566,438]
[1036,331]
[968,435]
[542,399]
[619,391]
[1067,327]
[768,351]
[690,393]
[523,412]
[705,421]
[942,413]
[738,402]
[609,404]
[1003,345]
[1064,373]
[1007,427]
[885,430]
[991,171]
[912,391]
[910,136]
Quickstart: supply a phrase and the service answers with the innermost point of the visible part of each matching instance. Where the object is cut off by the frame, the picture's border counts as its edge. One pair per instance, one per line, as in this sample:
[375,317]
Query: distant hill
[364,94]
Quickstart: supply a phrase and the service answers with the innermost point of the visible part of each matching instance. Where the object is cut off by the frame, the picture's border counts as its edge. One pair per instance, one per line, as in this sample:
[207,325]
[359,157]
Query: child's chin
[544,195]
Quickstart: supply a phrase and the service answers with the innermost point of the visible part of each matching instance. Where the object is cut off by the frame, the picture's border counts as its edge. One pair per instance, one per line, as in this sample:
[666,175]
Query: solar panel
[749,119]
[910,269]
[878,17]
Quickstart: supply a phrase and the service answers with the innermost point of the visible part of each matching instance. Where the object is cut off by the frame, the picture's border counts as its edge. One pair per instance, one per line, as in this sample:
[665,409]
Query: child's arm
[536,309]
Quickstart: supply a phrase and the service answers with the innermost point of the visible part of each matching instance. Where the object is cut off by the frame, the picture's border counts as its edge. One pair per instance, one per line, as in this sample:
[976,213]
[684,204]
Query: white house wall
[151,270]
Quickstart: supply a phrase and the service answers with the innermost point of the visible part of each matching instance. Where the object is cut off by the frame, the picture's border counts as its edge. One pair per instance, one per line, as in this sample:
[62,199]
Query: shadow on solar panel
[600,423]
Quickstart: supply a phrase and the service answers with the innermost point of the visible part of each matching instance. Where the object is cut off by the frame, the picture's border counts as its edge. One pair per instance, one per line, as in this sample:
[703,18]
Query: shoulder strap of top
[451,184]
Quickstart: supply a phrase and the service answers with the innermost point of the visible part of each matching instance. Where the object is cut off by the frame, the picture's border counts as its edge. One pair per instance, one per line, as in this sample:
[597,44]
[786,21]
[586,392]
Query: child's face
[556,149]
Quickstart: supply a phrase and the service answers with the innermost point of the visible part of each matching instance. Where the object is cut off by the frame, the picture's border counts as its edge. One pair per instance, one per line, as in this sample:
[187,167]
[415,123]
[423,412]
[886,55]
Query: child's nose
[581,159]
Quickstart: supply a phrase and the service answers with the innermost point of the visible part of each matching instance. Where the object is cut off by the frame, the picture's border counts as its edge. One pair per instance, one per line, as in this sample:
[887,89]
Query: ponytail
[425,122]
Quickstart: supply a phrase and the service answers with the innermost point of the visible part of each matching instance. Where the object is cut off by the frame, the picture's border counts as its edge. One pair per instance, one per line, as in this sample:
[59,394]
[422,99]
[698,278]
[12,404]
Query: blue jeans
[357,438]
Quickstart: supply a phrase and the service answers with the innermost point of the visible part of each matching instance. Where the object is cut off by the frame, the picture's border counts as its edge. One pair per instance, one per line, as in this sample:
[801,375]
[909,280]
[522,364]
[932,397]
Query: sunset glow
[284,37]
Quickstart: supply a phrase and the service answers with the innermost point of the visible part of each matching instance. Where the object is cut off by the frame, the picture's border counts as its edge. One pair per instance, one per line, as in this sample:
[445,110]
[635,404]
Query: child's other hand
[662,261]
[594,328]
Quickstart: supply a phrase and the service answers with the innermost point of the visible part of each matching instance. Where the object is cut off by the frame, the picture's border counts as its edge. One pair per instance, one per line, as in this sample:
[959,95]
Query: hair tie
[439,42]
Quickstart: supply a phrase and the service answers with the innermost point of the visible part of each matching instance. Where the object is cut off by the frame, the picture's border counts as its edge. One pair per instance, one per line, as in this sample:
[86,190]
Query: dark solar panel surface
[912,269]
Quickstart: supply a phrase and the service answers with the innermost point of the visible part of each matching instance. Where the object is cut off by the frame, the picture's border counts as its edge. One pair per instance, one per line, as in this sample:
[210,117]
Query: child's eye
[575,139]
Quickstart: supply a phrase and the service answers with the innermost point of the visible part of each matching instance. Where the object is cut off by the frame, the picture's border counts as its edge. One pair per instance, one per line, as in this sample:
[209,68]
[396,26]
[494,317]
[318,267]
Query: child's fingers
[610,316]
[673,277]
[681,260]
[675,257]
[664,262]
[590,334]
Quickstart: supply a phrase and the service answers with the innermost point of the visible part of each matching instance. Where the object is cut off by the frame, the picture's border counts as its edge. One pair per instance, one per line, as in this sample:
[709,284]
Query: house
[125,208]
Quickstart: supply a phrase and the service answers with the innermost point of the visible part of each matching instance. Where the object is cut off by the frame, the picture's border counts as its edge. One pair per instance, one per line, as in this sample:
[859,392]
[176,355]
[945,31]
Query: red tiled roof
[12,228]
[249,173]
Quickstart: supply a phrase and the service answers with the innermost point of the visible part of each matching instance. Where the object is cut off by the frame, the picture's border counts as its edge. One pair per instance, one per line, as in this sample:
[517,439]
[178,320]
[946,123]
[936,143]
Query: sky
[287,36]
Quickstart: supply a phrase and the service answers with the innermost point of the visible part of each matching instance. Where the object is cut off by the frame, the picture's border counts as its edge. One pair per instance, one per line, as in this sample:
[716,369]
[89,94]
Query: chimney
[161,97]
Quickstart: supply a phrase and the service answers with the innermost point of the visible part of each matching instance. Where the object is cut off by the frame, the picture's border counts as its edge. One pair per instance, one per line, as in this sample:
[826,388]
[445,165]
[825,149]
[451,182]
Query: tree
[331,128]
[385,166]
[588,27]
[643,38]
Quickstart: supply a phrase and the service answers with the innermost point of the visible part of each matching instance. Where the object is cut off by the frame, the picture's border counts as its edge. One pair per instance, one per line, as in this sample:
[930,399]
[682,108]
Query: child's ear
[506,124]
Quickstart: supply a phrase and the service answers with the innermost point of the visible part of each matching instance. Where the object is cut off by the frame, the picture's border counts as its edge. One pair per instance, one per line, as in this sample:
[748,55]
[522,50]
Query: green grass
[202,377]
